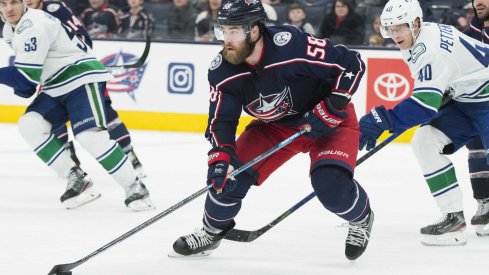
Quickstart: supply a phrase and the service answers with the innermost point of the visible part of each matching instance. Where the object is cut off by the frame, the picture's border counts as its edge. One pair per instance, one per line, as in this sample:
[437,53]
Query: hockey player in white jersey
[49,54]
[440,58]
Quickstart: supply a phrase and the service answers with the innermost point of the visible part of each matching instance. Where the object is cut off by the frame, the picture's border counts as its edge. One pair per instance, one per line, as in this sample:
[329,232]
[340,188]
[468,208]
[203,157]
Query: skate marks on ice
[36,226]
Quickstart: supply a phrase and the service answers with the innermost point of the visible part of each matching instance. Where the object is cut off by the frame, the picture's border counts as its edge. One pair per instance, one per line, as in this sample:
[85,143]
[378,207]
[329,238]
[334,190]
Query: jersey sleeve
[336,64]
[431,78]
[67,17]
[31,45]
[224,113]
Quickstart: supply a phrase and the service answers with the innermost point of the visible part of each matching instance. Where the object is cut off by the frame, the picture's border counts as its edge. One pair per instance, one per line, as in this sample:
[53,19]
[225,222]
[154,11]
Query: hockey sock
[428,143]
[109,154]
[61,133]
[339,193]
[118,132]
[37,133]
[478,170]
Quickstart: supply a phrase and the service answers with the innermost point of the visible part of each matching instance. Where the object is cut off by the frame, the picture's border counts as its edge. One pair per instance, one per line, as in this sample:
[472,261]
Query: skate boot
[481,218]
[138,167]
[448,230]
[137,197]
[79,190]
[199,243]
[358,237]
[71,148]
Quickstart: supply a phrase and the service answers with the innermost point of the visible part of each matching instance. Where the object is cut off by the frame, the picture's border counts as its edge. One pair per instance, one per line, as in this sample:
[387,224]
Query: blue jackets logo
[180,78]
[125,80]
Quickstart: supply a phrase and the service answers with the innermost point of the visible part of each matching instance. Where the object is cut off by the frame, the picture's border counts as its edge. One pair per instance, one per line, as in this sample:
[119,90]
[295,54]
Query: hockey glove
[323,119]
[372,125]
[219,168]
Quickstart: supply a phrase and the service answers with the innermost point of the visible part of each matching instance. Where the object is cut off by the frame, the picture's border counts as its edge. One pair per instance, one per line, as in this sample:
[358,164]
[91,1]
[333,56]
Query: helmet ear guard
[398,12]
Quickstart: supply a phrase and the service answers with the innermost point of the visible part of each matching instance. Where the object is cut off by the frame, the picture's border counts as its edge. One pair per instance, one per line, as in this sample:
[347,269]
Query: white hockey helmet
[24,2]
[398,12]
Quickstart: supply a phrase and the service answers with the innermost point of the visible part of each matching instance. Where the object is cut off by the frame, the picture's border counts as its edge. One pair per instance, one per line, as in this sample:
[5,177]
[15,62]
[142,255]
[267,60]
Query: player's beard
[240,53]
[484,16]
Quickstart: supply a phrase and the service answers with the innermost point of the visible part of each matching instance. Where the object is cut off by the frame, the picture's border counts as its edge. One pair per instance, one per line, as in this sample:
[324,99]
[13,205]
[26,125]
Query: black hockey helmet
[241,12]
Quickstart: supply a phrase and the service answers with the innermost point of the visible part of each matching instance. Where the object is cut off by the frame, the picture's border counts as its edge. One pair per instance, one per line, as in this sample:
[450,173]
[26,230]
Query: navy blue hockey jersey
[295,72]
[477,30]
[68,18]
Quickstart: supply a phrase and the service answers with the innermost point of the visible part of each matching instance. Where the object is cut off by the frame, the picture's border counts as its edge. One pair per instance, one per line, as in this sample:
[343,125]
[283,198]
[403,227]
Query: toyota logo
[391,87]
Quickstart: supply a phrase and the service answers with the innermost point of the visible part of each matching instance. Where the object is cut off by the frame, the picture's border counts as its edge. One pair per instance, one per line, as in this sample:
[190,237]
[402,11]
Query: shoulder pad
[52,7]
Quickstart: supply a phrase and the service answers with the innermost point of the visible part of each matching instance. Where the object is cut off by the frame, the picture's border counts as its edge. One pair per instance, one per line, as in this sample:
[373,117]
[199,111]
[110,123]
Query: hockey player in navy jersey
[478,166]
[116,127]
[440,58]
[50,55]
[286,79]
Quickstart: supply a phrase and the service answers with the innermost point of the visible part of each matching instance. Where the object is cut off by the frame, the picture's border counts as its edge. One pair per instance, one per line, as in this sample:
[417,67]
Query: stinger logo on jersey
[272,107]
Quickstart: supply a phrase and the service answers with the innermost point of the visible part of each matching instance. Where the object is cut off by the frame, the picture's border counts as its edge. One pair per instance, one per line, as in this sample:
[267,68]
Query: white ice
[36,232]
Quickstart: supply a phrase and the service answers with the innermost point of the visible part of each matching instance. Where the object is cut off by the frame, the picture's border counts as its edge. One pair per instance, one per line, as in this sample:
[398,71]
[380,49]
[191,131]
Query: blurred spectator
[271,2]
[297,17]
[271,14]
[159,1]
[135,21]
[375,37]
[317,3]
[463,22]
[181,20]
[342,25]
[100,19]
[77,6]
[204,24]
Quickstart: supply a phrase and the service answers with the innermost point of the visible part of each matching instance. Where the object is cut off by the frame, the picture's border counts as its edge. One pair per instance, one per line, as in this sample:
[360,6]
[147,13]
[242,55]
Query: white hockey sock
[109,154]
[428,143]
[37,133]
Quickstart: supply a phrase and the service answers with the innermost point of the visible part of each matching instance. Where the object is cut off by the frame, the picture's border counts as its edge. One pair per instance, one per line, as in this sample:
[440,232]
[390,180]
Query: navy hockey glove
[372,125]
[219,167]
[323,119]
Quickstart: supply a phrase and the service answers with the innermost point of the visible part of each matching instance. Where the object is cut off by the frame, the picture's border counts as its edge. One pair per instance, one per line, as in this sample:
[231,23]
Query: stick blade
[61,269]
[244,236]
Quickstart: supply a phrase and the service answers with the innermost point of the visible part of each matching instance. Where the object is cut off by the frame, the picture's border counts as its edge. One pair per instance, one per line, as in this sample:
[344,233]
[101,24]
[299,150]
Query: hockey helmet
[398,12]
[244,13]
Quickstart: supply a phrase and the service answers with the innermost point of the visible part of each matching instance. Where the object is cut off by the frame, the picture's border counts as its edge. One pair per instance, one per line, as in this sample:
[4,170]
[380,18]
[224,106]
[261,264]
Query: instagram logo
[181,78]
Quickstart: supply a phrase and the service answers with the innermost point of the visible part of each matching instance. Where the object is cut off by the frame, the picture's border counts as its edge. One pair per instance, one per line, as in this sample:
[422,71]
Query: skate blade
[174,254]
[482,230]
[141,205]
[457,238]
[87,196]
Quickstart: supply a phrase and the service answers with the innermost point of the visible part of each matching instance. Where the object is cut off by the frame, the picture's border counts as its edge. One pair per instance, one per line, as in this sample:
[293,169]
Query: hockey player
[50,54]
[286,79]
[117,129]
[478,166]
[439,58]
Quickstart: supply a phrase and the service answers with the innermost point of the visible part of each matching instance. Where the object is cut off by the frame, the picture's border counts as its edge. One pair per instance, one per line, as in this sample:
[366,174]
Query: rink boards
[170,92]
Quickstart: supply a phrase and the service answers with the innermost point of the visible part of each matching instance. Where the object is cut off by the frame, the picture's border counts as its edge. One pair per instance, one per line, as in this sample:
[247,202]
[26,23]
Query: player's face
[402,35]
[236,52]
[12,10]
[34,4]
[482,9]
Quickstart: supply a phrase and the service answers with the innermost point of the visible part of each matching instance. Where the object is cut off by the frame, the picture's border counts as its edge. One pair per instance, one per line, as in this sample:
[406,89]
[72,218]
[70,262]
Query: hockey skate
[448,230]
[481,218]
[358,237]
[199,243]
[138,167]
[137,197]
[79,190]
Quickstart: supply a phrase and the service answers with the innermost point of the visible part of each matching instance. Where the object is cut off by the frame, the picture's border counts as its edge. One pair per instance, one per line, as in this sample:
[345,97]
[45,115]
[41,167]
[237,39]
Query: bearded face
[237,52]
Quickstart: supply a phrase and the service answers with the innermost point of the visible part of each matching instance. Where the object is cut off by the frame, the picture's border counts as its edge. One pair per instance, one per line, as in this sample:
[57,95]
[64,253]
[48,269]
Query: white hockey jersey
[50,54]
[443,58]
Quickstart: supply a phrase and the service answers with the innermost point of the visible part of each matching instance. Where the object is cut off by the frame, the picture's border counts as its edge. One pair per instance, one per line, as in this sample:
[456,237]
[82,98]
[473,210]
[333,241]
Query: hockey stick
[65,269]
[239,235]
[141,60]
